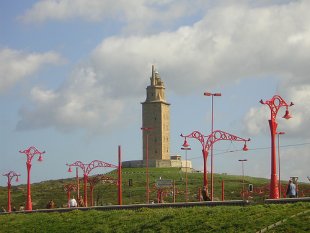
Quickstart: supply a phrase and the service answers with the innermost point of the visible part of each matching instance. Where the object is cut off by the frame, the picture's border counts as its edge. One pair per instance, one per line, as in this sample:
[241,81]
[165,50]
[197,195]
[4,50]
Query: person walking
[291,189]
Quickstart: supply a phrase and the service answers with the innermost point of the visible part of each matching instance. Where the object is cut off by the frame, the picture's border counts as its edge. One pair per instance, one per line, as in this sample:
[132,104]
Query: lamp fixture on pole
[87,168]
[207,142]
[274,104]
[10,175]
[30,153]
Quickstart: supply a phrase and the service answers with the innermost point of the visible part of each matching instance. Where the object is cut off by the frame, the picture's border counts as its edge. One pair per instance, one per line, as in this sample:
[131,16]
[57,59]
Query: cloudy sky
[73,74]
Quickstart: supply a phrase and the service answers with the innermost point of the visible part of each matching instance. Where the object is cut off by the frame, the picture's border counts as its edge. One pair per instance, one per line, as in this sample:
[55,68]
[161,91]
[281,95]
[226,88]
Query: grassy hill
[106,194]
[195,219]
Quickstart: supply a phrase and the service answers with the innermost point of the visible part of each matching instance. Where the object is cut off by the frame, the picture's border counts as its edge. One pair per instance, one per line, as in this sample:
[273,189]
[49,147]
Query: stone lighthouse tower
[156,115]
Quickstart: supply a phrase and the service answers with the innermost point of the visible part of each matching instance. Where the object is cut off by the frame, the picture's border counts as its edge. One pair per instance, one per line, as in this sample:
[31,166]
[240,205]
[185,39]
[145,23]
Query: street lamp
[30,153]
[212,124]
[147,131]
[10,176]
[68,188]
[279,133]
[217,135]
[275,103]
[87,168]
[242,161]
[186,192]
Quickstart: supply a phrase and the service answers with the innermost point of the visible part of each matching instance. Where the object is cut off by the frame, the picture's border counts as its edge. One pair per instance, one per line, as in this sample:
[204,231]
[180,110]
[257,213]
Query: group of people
[51,204]
[74,203]
[21,208]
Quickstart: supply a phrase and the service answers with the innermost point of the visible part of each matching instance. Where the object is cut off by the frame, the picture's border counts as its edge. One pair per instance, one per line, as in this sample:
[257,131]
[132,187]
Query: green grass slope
[197,219]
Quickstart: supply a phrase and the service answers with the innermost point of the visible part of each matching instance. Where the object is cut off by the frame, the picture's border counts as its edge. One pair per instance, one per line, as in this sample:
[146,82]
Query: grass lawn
[196,219]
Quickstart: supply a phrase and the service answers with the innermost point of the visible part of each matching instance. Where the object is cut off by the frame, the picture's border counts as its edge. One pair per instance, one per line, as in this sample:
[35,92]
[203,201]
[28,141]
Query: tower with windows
[156,115]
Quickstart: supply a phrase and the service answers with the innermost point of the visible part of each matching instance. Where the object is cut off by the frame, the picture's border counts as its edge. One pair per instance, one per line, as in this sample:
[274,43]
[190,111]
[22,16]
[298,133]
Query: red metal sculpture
[275,103]
[30,153]
[207,142]
[10,176]
[87,168]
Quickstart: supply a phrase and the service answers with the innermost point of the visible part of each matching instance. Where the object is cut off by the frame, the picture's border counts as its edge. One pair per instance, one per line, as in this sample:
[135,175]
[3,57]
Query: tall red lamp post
[30,153]
[147,130]
[212,128]
[10,175]
[186,165]
[275,103]
[207,142]
[87,168]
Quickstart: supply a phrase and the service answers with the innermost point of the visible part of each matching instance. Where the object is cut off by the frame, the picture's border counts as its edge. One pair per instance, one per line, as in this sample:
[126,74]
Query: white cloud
[80,103]
[295,162]
[300,95]
[66,9]
[246,42]
[17,65]
[232,42]
[138,15]
[256,120]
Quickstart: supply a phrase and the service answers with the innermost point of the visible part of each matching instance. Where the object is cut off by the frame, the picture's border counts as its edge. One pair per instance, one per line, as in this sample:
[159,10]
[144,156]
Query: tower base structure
[152,163]
[158,163]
